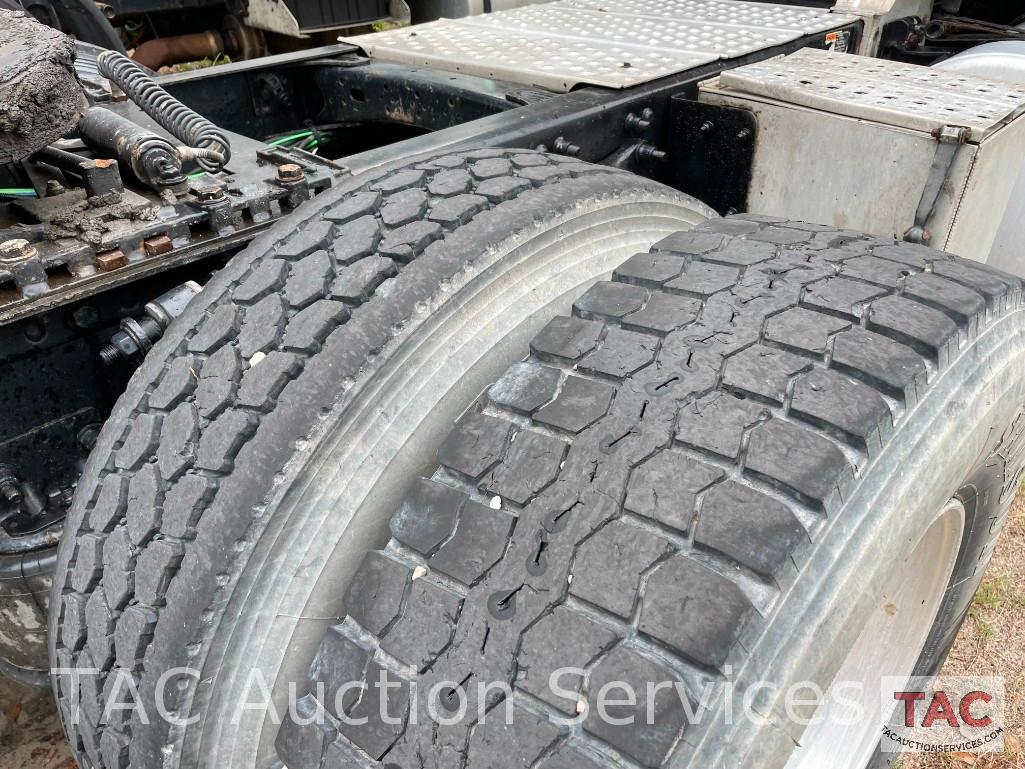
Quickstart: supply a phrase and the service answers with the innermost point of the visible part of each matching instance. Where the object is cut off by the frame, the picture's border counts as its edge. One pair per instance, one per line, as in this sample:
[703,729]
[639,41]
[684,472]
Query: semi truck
[396,401]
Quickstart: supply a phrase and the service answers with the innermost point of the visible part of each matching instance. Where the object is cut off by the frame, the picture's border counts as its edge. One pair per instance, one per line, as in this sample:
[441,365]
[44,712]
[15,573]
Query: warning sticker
[838,41]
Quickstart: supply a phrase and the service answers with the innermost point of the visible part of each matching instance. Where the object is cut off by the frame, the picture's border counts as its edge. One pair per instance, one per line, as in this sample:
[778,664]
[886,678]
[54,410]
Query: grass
[993,593]
[190,66]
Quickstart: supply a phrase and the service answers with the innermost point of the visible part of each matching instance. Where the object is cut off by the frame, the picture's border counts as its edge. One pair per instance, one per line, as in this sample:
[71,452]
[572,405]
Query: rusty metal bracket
[949,139]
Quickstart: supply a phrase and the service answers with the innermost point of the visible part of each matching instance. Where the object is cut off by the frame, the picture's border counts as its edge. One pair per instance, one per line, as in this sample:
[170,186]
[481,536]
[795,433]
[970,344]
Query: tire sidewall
[986,496]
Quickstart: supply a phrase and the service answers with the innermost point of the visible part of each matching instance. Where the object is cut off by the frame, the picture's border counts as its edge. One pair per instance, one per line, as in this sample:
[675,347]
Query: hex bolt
[707,127]
[290,173]
[16,251]
[138,335]
[10,487]
[54,187]
[212,193]
[743,134]
[214,199]
[21,259]
[565,147]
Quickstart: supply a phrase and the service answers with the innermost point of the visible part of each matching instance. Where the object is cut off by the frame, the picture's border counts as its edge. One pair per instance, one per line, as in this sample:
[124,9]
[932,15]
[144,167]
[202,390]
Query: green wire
[18,192]
[195,175]
[291,137]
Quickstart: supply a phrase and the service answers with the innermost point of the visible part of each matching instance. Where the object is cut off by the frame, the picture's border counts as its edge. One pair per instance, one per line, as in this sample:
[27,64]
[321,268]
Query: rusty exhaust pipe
[163,51]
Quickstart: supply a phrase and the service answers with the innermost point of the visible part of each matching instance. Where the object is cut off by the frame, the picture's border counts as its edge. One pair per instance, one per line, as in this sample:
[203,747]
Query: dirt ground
[30,735]
[992,642]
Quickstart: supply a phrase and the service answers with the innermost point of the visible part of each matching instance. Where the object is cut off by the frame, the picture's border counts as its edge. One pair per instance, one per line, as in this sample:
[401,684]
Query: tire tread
[633,459]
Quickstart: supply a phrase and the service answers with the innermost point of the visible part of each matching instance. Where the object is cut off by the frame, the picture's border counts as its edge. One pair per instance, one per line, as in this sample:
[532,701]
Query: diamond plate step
[888,92]
[616,44]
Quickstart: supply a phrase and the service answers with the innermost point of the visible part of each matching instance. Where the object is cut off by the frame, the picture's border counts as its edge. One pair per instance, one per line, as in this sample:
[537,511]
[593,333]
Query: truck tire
[25,586]
[259,449]
[708,474]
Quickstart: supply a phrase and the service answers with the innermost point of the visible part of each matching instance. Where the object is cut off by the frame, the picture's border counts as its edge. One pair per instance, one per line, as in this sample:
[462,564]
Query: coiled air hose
[209,145]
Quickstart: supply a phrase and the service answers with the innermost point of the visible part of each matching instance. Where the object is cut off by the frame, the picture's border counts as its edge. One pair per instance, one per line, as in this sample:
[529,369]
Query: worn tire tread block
[692,459]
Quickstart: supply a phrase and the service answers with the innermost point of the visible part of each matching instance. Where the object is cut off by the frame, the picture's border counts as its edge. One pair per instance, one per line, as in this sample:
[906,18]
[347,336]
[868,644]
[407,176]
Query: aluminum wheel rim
[889,645]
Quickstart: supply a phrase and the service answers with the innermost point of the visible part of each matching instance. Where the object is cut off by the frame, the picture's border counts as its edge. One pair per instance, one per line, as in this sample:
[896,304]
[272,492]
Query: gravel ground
[992,642]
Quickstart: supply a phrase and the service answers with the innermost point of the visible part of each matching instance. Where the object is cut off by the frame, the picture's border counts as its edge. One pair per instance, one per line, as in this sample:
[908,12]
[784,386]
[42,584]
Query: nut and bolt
[16,250]
[10,487]
[211,193]
[11,493]
[137,336]
[290,173]
[650,152]
[707,127]
[21,260]
[744,134]
[54,187]
[642,122]
[565,147]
